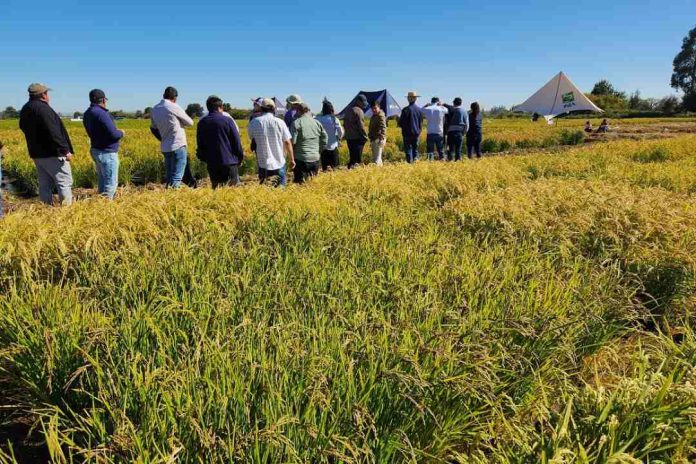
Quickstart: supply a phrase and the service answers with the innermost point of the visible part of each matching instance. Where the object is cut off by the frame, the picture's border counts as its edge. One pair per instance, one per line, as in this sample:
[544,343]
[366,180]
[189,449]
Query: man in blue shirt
[411,123]
[219,145]
[104,138]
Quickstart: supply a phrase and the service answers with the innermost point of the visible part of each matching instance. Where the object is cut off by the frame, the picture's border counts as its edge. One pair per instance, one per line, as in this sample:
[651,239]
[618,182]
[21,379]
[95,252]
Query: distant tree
[634,102]
[10,113]
[194,110]
[684,76]
[669,105]
[118,114]
[609,102]
[138,114]
[604,87]
[226,107]
[498,111]
[147,110]
[689,102]
[238,113]
[76,115]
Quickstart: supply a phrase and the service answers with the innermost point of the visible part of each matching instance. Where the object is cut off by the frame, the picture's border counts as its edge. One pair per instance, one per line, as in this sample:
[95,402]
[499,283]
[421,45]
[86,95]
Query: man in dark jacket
[219,145]
[411,123]
[48,144]
[356,135]
[104,138]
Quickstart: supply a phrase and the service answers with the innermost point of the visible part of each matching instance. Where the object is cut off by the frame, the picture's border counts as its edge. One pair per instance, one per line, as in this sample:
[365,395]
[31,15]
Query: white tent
[558,96]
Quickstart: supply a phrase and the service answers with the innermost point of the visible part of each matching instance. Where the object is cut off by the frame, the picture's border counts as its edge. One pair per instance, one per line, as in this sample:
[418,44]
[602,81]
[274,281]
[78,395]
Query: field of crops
[525,309]
[142,162]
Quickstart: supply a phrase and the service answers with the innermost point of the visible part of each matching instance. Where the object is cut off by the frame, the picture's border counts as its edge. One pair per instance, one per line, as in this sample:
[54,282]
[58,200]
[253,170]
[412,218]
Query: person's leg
[416,155]
[282,177]
[351,153]
[217,175]
[187,178]
[299,172]
[234,180]
[458,142]
[377,147]
[98,169]
[313,168]
[440,145]
[469,146]
[2,212]
[430,142]
[168,167]
[325,160]
[109,173]
[179,163]
[45,181]
[64,182]
[477,145]
[359,147]
[408,149]
[263,175]
[334,158]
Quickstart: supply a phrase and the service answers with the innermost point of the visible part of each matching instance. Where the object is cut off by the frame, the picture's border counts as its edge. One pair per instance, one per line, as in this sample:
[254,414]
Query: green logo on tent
[568,97]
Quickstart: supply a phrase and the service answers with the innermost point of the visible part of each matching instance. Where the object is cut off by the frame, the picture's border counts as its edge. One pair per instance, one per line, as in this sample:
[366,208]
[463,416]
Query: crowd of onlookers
[301,141]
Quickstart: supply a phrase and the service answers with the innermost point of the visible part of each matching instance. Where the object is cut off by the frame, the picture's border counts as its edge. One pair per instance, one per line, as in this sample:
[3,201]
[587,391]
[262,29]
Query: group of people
[602,129]
[299,140]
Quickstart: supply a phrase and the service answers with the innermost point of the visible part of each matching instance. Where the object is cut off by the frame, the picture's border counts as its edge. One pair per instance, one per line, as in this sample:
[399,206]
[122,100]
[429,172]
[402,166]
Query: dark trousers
[223,176]
[435,142]
[276,177]
[473,145]
[411,148]
[454,149]
[304,170]
[329,159]
[355,149]
[188,178]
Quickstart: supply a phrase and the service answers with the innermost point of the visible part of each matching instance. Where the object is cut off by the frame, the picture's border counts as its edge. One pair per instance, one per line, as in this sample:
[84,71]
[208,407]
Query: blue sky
[496,52]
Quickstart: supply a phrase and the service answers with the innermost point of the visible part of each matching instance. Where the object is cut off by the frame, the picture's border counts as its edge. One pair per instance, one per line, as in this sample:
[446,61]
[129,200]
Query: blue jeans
[106,165]
[279,174]
[455,141]
[411,148]
[174,166]
[433,142]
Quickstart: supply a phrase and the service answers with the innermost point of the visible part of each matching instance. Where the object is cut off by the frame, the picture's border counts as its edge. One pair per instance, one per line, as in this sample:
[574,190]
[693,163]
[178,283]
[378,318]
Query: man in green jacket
[308,140]
[378,132]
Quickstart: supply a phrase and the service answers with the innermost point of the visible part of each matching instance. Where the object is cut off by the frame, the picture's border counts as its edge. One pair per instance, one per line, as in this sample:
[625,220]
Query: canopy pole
[558,88]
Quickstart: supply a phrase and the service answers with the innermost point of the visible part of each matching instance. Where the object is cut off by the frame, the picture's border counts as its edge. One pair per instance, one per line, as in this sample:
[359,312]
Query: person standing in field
[272,138]
[104,140]
[435,114]
[356,136]
[309,138]
[458,126]
[474,135]
[49,145]
[291,113]
[377,132]
[167,123]
[411,123]
[219,145]
[334,131]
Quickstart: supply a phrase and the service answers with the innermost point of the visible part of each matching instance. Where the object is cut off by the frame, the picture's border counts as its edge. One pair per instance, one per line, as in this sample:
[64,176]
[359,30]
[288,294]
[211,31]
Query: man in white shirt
[272,140]
[167,123]
[435,114]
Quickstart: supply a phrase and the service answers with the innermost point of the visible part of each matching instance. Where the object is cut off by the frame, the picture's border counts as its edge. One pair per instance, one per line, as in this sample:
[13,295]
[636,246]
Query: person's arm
[340,132]
[53,125]
[383,128]
[114,133]
[183,117]
[154,130]
[287,144]
[361,127]
[323,137]
[293,133]
[236,142]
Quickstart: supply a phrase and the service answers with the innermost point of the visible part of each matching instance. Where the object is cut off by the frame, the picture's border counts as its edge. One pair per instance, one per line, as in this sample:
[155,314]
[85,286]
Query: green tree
[604,87]
[76,115]
[138,114]
[669,105]
[684,76]
[10,113]
[194,110]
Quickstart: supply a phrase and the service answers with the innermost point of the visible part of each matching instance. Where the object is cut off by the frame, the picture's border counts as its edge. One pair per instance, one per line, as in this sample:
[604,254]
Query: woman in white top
[332,126]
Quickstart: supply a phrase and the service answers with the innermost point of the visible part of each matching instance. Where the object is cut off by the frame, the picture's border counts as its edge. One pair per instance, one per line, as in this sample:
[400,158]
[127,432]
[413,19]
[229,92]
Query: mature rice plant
[522,309]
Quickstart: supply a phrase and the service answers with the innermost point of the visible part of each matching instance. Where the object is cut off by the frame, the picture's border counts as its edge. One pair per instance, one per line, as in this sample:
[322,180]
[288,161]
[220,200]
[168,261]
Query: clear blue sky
[497,52]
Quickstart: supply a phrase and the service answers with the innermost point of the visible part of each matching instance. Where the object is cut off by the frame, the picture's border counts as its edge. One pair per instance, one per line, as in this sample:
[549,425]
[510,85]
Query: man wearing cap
[356,135]
[48,144]
[167,123]
[104,139]
[411,123]
[272,139]
[219,145]
[291,114]
[309,138]
[435,115]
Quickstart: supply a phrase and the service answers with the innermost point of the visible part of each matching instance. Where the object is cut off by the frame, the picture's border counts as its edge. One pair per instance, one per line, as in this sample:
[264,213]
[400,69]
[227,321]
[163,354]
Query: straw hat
[412,94]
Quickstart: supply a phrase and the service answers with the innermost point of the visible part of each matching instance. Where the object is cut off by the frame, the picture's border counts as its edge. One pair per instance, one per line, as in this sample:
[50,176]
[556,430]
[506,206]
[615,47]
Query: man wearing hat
[356,135]
[411,123]
[48,144]
[272,139]
[104,140]
[291,114]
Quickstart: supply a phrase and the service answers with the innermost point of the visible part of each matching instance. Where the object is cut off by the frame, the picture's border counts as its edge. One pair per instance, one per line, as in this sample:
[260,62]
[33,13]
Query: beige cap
[37,89]
[412,94]
[267,103]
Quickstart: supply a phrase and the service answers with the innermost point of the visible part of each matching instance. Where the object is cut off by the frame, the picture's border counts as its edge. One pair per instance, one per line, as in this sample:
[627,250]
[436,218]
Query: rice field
[141,160]
[534,308]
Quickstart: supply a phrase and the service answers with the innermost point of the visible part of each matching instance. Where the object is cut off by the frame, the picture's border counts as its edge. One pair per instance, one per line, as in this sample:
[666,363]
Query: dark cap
[434,100]
[96,96]
[361,99]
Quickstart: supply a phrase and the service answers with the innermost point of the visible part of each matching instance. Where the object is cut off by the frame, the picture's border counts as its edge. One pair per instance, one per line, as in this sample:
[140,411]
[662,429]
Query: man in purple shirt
[291,114]
[104,138]
[219,145]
